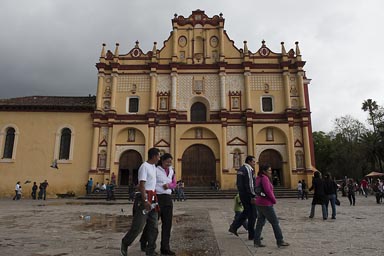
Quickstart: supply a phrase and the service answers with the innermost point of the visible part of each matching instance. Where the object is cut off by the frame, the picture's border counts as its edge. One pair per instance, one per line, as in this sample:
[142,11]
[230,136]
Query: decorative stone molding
[127,83]
[121,148]
[274,82]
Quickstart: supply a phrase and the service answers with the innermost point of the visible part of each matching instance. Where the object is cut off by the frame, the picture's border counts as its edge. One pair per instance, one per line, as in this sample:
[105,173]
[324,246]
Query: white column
[174,90]
[300,87]
[95,146]
[222,90]
[114,91]
[99,95]
[247,90]
[287,90]
[152,104]
[307,149]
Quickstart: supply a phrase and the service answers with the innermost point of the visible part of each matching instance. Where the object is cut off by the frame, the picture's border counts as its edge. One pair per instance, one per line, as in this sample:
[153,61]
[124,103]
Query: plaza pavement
[56,227]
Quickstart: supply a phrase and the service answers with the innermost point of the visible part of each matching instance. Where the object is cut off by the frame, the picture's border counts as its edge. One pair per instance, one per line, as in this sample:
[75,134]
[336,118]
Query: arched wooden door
[198,166]
[274,159]
[129,164]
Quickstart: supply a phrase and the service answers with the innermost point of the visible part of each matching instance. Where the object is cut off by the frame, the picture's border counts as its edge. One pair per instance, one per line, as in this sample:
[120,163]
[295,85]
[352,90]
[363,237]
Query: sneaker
[333,218]
[282,244]
[123,249]
[233,231]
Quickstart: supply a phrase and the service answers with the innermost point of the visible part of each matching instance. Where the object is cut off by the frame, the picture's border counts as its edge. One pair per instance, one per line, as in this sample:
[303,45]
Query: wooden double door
[129,165]
[198,166]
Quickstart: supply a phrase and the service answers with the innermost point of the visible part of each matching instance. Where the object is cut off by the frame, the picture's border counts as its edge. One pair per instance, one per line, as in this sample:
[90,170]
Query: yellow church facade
[198,97]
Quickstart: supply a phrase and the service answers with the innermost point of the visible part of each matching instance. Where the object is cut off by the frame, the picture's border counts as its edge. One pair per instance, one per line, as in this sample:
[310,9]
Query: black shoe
[167,252]
[123,249]
[231,230]
[324,218]
[143,247]
[258,245]
[333,218]
[280,244]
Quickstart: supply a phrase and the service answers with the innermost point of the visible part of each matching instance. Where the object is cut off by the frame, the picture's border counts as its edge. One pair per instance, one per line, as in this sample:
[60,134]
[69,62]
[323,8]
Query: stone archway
[198,166]
[129,164]
[275,160]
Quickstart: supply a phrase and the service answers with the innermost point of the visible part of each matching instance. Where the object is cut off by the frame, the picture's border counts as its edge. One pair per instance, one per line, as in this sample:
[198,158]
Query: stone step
[194,193]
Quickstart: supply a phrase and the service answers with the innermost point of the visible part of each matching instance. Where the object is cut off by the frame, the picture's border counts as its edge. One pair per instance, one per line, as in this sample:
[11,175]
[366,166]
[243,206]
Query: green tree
[371,145]
[370,106]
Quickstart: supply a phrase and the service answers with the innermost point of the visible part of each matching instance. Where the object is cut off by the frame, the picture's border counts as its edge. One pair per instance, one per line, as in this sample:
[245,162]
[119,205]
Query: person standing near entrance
[246,186]
[144,213]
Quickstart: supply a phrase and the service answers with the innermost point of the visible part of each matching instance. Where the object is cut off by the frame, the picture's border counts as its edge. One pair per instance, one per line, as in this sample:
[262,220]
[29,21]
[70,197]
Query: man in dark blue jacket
[246,183]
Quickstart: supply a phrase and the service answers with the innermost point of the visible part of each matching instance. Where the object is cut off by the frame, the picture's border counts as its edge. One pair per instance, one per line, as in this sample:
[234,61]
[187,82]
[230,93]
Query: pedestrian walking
[319,196]
[144,213]
[246,186]
[165,182]
[265,210]
[299,190]
[305,190]
[330,189]
[17,188]
[238,208]
[351,192]
[34,190]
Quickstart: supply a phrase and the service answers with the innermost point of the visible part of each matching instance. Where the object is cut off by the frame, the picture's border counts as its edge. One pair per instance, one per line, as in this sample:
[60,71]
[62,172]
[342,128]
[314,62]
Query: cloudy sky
[50,47]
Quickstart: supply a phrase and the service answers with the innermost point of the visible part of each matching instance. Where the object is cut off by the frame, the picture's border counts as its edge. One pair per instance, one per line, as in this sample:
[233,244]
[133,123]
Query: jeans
[249,213]
[139,221]
[323,209]
[332,200]
[267,212]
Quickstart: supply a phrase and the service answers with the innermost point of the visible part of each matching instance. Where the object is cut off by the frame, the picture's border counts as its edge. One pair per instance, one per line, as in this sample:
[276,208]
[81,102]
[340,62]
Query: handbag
[337,202]
[259,190]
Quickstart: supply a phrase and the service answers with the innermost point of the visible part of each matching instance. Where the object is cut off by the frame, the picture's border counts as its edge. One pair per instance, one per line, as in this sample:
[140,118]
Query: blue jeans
[332,199]
[263,213]
[323,210]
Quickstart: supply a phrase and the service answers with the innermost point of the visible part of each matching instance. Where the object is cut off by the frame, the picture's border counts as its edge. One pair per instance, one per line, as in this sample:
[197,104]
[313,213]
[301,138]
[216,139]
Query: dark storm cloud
[50,47]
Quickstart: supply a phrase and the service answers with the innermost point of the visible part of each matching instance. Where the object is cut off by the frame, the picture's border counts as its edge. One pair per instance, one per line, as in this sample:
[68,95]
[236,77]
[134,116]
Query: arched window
[198,112]
[299,159]
[9,143]
[65,144]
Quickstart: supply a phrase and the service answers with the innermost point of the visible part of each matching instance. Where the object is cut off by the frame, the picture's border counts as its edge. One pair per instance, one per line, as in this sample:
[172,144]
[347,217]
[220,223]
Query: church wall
[35,152]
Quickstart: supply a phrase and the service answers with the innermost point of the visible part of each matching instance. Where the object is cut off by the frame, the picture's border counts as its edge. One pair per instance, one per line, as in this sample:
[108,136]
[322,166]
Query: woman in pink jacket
[265,210]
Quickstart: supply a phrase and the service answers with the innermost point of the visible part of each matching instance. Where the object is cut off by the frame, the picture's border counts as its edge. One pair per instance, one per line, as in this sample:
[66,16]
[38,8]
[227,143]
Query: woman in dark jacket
[319,196]
[330,187]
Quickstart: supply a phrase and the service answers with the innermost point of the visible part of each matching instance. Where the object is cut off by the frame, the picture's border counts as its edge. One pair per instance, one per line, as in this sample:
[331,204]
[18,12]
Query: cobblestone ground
[55,227]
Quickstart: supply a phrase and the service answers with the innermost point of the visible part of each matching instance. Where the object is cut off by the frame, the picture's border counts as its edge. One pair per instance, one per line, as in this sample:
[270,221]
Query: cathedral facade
[198,97]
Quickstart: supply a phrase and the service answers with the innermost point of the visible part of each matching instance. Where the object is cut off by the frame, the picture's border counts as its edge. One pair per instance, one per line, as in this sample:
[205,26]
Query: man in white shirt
[17,188]
[143,201]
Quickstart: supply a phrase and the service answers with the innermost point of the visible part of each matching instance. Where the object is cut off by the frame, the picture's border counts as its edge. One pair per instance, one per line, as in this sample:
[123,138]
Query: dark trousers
[249,213]
[139,221]
[352,199]
[33,194]
[166,214]
[15,197]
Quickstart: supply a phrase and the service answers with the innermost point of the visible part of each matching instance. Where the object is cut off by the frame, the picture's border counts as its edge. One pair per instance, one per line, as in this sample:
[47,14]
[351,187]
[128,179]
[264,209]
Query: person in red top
[265,210]
[364,187]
